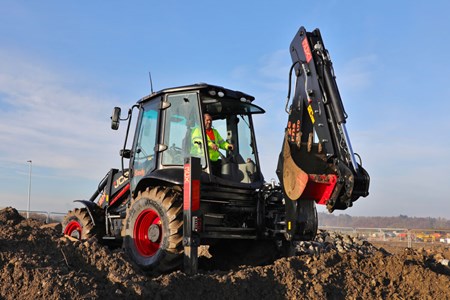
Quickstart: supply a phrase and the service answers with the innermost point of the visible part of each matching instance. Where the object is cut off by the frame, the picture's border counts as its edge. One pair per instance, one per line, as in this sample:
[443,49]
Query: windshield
[232,119]
[242,137]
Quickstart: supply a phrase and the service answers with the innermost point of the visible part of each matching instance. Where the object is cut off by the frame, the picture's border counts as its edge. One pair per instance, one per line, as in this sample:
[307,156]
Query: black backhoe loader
[141,206]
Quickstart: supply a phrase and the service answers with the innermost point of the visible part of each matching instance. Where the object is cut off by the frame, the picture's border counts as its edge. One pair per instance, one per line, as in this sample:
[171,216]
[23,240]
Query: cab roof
[202,87]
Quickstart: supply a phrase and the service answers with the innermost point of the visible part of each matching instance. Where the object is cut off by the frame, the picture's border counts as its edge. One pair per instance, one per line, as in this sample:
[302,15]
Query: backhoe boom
[317,161]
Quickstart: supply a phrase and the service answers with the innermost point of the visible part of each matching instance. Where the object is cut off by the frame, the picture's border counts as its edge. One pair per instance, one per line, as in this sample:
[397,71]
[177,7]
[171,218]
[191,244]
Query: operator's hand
[214,147]
[230,147]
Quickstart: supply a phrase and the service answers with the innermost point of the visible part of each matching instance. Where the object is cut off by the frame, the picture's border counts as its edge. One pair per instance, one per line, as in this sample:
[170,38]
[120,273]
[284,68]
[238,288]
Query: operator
[215,142]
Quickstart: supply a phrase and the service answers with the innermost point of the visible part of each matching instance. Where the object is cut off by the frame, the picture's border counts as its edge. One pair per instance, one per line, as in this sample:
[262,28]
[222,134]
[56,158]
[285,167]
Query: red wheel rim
[73,229]
[144,245]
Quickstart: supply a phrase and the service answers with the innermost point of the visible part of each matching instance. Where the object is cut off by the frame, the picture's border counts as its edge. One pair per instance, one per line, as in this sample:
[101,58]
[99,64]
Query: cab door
[143,159]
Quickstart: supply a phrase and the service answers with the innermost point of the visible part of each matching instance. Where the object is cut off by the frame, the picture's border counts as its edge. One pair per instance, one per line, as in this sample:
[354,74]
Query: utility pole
[29,189]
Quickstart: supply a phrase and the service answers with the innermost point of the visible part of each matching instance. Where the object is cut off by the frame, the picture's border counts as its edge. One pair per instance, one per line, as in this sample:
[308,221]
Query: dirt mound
[36,262]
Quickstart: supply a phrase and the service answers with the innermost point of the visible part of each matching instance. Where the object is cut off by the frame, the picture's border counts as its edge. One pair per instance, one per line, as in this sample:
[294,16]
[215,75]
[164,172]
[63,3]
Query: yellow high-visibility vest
[197,149]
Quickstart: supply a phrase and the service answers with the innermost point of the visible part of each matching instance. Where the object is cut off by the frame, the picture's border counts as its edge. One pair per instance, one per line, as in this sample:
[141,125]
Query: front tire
[78,224]
[152,230]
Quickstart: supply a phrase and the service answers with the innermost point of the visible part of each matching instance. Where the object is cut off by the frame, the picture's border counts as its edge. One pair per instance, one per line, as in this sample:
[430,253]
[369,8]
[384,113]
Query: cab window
[182,120]
[144,154]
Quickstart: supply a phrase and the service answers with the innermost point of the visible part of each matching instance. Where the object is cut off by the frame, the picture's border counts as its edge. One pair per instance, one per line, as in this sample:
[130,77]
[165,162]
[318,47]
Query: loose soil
[37,262]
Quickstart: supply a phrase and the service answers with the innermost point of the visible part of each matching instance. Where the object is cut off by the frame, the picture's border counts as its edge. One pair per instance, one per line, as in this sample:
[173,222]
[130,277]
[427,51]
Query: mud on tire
[152,230]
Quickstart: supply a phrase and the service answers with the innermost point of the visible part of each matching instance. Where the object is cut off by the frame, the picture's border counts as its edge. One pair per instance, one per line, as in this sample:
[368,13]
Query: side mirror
[115,118]
[125,153]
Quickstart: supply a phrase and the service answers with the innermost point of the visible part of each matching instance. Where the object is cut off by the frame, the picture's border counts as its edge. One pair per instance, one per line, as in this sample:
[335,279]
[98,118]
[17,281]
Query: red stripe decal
[121,193]
[307,50]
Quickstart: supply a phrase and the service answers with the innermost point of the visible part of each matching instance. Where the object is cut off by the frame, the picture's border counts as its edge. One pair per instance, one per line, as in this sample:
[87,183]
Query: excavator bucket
[294,178]
[300,185]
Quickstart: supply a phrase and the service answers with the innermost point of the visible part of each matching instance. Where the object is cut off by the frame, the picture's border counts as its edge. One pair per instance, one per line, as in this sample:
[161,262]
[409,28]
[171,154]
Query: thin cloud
[46,119]
[275,65]
[357,73]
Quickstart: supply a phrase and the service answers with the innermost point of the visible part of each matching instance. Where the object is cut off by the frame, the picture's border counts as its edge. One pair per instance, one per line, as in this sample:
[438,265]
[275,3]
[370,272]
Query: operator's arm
[222,144]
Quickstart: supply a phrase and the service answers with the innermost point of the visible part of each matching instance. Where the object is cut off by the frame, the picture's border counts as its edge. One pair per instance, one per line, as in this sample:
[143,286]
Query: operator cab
[164,135]
[232,120]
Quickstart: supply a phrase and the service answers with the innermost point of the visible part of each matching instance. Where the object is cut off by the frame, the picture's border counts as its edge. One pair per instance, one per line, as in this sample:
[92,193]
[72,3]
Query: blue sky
[65,65]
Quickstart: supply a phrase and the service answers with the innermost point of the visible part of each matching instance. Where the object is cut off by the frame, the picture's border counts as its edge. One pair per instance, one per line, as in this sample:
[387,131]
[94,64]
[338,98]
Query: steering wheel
[176,153]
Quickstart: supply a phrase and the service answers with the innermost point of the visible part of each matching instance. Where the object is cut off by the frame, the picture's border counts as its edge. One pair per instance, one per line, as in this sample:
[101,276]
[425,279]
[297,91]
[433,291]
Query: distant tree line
[401,221]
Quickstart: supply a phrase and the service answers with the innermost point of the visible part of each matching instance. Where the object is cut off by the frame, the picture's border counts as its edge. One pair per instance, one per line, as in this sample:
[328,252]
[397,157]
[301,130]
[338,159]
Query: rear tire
[78,224]
[153,230]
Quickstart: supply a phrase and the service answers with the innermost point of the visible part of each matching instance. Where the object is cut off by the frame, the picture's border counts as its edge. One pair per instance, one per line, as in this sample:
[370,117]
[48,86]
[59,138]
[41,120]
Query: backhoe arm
[317,161]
